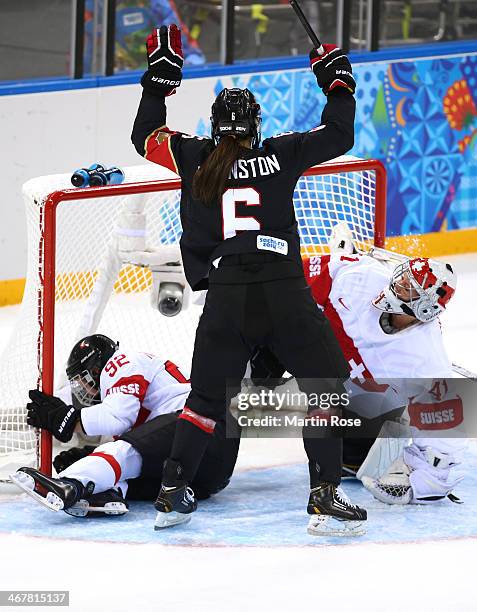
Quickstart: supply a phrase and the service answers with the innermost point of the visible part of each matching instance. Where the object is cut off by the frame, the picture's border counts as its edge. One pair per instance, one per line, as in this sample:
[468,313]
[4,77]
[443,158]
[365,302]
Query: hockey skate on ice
[106,503]
[176,500]
[333,514]
[54,493]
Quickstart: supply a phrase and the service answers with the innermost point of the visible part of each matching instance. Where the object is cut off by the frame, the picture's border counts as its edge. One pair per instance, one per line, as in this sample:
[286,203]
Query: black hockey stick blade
[306,24]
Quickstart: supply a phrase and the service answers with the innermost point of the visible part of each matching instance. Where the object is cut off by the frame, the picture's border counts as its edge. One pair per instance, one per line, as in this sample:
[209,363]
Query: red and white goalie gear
[135,388]
[422,475]
[344,286]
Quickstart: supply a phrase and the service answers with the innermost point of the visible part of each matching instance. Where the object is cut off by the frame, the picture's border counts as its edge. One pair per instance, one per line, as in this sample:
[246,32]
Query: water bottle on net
[109,176]
[82,176]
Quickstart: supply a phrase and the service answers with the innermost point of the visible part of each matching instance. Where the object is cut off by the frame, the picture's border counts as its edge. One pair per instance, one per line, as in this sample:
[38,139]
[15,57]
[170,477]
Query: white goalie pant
[109,466]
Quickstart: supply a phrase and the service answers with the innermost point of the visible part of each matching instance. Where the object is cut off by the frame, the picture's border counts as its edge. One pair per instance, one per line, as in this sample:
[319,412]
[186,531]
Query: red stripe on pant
[198,420]
[112,462]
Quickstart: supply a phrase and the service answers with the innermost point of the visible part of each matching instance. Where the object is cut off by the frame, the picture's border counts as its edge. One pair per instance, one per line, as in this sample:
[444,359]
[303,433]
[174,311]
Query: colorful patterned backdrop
[418,117]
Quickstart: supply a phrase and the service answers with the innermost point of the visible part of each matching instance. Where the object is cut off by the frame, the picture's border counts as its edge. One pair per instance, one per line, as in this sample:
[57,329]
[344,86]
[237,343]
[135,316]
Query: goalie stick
[464,372]
[306,24]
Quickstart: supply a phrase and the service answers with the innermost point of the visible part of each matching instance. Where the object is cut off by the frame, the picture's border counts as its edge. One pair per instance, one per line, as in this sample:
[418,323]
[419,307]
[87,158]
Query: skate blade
[372,485]
[82,509]
[26,483]
[322,525]
[169,519]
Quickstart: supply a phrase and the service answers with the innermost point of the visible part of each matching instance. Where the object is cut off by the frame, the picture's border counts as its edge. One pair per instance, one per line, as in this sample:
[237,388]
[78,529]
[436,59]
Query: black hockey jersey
[256,212]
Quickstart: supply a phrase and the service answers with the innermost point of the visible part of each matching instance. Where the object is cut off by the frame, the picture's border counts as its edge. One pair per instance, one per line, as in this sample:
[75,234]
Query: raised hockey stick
[306,24]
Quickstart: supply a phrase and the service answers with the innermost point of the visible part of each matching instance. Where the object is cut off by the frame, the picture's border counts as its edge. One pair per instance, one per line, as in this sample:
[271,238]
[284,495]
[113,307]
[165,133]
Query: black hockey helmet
[83,369]
[236,112]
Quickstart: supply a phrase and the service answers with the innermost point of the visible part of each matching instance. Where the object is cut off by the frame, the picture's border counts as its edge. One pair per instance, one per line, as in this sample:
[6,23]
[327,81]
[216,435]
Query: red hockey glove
[332,69]
[165,60]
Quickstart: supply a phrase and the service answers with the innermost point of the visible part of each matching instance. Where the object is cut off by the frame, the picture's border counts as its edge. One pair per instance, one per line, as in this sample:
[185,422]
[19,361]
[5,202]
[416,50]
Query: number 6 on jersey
[232,223]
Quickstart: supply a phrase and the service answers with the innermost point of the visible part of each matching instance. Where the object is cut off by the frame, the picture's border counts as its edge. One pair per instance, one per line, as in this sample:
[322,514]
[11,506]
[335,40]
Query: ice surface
[247,548]
[259,508]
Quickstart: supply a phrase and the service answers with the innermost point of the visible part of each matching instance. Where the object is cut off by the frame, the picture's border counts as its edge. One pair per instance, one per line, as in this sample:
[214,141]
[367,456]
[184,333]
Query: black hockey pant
[153,441]
[236,319]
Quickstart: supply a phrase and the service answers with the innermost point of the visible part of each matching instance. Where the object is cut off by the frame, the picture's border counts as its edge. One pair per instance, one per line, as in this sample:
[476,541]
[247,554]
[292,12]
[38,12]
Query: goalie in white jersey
[387,324]
[135,398]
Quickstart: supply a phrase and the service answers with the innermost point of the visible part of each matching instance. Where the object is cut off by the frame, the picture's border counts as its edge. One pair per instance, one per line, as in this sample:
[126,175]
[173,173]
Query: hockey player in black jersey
[240,241]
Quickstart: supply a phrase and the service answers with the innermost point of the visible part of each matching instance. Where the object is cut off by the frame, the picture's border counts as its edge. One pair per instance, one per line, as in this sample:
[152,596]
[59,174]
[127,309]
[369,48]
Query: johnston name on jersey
[256,212]
[135,388]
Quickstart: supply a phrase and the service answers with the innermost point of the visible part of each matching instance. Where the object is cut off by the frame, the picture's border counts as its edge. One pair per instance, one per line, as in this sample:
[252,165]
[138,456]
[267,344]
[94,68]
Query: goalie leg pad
[393,487]
[386,449]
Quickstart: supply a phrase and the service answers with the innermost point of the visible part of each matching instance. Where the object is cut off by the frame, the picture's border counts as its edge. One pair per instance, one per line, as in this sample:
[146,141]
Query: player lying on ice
[387,323]
[240,241]
[135,397]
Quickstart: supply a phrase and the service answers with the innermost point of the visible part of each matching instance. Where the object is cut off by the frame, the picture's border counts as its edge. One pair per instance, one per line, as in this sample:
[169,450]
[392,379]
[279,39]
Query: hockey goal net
[89,254]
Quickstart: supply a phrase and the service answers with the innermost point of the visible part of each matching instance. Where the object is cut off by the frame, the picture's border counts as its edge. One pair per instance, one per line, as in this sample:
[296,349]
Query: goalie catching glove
[50,413]
[165,60]
[332,69]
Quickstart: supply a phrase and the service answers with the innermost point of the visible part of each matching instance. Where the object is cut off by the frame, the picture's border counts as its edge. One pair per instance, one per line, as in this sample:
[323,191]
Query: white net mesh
[84,243]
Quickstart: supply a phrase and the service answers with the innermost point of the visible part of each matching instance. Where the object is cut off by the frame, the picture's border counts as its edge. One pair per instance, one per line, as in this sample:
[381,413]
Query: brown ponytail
[209,181]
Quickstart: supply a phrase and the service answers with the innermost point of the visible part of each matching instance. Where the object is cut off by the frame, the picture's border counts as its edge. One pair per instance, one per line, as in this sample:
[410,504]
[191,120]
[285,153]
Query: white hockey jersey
[135,388]
[344,287]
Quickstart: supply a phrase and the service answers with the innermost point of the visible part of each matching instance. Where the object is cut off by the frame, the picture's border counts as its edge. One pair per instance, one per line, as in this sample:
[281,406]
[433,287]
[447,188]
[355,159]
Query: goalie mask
[235,112]
[85,363]
[420,288]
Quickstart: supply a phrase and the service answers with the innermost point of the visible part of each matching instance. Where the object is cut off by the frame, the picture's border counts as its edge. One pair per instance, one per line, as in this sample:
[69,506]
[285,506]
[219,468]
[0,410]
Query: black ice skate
[106,503]
[176,500]
[54,493]
[333,514]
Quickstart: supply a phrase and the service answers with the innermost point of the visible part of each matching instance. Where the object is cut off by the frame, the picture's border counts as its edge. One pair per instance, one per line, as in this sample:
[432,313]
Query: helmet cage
[85,388]
[420,288]
[236,113]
